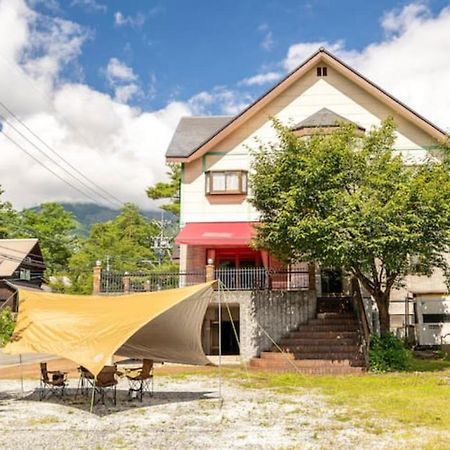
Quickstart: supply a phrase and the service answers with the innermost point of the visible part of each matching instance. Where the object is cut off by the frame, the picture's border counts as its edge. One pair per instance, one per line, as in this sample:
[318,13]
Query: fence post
[126,283]
[210,272]
[312,276]
[97,278]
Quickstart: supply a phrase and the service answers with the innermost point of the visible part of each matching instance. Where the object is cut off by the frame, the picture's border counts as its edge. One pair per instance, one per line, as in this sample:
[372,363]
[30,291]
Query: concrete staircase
[327,345]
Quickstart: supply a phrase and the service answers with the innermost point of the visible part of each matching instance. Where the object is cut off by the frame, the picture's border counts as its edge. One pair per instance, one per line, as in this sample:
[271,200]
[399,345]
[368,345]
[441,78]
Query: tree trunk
[383,309]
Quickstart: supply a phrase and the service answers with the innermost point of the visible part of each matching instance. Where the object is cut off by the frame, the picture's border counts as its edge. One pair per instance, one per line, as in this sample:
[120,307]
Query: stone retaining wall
[277,312]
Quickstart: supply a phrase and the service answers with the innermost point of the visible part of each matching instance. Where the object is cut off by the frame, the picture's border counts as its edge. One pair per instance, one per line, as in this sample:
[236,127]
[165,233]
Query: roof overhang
[321,56]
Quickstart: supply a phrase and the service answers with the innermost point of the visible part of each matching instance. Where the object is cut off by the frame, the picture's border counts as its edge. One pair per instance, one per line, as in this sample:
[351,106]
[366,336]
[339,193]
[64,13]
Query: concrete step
[329,356]
[277,355]
[337,349]
[281,362]
[323,334]
[333,321]
[313,341]
[335,315]
[328,327]
[311,366]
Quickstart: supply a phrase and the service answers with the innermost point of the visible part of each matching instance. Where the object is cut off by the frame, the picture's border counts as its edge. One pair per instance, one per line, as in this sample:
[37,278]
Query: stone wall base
[275,312]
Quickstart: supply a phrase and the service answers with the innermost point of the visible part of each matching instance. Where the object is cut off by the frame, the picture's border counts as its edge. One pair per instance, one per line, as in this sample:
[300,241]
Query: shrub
[388,354]
[6,325]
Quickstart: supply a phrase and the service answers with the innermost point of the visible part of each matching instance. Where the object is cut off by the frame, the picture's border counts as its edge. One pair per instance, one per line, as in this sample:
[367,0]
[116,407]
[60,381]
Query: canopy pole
[92,396]
[220,343]
[21,375]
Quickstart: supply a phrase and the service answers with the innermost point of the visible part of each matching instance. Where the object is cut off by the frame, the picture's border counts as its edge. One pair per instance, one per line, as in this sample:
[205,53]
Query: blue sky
[105,83]
[179,48]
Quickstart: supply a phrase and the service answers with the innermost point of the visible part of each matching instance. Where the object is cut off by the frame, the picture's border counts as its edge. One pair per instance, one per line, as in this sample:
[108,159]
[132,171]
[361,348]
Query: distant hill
[87,214]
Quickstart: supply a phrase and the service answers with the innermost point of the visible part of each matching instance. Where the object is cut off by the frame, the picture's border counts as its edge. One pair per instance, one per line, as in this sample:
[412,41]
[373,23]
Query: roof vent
[322,71]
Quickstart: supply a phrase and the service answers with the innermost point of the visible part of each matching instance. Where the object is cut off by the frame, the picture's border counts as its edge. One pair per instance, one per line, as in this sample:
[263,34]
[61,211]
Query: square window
[226,182]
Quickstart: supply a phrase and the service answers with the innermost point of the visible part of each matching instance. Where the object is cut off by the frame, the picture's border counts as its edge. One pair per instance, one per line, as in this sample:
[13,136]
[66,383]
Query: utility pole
[161,243]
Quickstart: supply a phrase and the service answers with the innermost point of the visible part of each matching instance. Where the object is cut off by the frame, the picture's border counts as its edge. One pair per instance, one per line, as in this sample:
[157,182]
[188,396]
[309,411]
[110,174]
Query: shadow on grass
[83,402]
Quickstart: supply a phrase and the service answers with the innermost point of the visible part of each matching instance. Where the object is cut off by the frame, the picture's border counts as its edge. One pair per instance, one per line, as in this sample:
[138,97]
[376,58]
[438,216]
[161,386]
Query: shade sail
[164,326]
[217,233]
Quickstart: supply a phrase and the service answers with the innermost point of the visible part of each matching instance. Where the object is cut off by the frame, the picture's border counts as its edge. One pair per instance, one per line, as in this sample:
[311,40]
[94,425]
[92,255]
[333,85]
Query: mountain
[87,214]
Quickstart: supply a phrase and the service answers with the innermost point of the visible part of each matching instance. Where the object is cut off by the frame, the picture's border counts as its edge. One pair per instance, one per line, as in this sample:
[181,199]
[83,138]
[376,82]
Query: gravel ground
[184,413]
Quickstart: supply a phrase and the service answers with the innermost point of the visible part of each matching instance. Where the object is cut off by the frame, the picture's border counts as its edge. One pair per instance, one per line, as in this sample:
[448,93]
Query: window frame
[243,182]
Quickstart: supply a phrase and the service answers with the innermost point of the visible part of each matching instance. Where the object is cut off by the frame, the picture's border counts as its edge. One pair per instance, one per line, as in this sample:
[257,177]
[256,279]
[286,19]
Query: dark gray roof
[191,132]
[323,119]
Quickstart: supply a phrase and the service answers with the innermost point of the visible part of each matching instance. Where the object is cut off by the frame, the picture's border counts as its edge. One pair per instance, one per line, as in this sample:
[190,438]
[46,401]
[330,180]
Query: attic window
[322,71]
[226,182]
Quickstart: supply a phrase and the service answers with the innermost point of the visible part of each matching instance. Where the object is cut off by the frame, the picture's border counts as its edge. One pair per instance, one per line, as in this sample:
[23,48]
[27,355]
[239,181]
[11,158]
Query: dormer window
[226,182]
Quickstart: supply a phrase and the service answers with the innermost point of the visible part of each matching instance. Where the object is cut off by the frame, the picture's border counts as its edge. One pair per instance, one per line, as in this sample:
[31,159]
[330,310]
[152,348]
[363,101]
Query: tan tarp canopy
[163,326]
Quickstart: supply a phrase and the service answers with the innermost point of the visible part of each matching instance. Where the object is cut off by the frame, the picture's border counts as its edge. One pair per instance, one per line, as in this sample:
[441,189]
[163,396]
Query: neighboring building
[21,265]
[217,218]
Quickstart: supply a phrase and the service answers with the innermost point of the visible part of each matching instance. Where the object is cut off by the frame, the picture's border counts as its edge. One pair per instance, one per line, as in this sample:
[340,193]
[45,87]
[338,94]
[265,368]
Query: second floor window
[226,182]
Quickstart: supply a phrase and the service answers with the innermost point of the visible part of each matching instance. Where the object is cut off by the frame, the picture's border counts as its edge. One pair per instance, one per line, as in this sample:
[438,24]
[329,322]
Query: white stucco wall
[298,102]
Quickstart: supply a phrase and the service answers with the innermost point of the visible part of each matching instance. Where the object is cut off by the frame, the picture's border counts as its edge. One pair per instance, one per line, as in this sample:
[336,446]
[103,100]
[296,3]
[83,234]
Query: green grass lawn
[406,400]
[420,397]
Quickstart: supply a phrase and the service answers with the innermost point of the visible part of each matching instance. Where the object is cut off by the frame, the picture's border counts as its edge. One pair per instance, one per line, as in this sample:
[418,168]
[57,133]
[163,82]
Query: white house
[216,216]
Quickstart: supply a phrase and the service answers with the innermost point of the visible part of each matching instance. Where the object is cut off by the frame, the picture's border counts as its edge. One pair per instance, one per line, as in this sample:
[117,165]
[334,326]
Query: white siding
[298,102]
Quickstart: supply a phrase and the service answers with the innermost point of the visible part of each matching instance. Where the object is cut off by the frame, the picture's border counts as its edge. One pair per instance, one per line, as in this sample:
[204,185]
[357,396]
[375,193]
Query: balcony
[244,279]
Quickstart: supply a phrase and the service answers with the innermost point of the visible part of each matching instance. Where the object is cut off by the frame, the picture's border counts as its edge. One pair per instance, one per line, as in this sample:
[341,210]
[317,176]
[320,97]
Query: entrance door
[331,280]
[229,342]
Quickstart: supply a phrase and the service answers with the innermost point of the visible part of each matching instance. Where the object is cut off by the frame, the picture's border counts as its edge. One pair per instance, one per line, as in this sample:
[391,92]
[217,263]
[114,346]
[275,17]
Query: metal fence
[119,282]
[258,278]
[244,279]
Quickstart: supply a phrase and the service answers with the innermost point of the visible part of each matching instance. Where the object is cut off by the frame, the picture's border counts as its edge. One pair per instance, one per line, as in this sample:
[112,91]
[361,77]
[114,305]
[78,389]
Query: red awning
[216,233]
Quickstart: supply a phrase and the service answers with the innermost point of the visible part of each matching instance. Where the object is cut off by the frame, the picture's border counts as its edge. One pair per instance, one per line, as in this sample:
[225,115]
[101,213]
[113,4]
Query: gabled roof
[191,132]
[12,254]
[321,56]
[324,118]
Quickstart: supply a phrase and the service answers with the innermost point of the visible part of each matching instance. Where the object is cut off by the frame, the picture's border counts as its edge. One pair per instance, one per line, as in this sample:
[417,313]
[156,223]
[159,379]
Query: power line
[36,264]
[32,232]
[48,168]
[18,119]
[17,251]
[76,178]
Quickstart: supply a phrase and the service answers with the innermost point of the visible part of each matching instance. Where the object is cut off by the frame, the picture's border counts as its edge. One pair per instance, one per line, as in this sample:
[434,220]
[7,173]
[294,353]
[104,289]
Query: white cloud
[410,63]
[90,5]
[220,100]
[136,21]
[123,80]
[261,79]
[117,70]
[267,42]
[119,147]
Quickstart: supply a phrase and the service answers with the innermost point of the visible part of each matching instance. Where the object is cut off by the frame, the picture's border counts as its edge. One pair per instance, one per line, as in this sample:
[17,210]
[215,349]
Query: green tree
[351,202]
[55,229]
[8,219]
[169,190]
[126,242]
[7,324]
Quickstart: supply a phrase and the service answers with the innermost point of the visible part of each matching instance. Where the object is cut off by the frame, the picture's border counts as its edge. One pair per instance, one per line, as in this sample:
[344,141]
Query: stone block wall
[275,312]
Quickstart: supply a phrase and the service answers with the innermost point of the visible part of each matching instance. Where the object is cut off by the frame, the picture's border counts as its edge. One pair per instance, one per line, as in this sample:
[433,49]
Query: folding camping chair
[54,385]
[106,383]
[141,380]
[85,381]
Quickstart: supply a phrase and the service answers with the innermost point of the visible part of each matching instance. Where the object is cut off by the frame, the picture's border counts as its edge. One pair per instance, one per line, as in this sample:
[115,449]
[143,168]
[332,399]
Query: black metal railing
[258,278]
[243,279]
[119,282]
